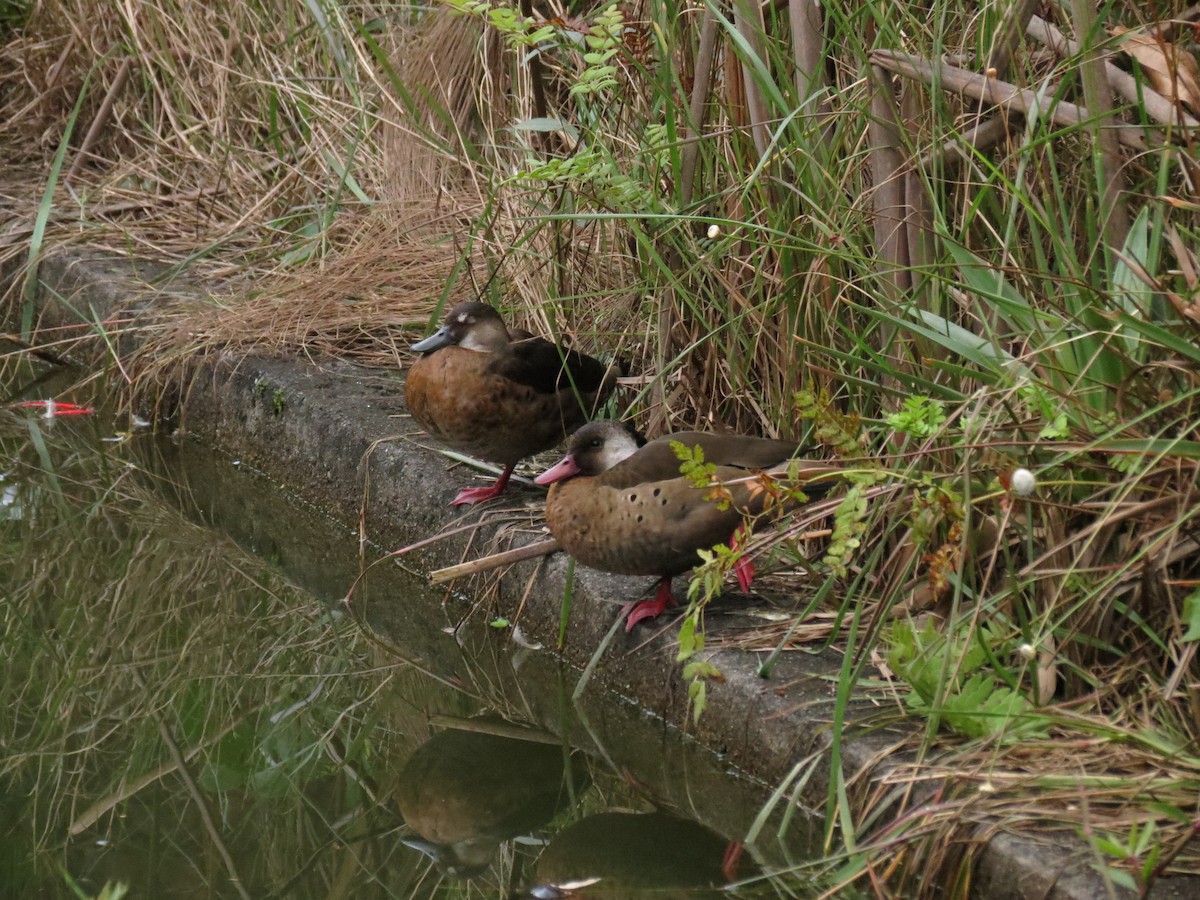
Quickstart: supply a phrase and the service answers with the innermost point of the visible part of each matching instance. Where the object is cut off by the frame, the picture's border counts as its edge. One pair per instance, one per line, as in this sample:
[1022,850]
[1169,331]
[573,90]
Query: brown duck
[621,505]
[499,395]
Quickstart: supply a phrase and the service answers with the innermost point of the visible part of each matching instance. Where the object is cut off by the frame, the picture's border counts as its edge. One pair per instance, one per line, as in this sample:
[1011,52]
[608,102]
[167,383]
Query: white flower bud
[1023,482]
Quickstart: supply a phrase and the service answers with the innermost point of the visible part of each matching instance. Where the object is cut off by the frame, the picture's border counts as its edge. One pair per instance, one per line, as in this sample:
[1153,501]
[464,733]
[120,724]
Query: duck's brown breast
[455,395]
[647,529]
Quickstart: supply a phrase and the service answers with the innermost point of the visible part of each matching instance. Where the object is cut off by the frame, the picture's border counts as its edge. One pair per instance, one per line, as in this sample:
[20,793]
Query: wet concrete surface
[337,435]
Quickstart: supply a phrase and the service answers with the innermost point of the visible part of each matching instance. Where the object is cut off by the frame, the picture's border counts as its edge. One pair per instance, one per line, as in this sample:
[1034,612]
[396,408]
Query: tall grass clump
[221,138]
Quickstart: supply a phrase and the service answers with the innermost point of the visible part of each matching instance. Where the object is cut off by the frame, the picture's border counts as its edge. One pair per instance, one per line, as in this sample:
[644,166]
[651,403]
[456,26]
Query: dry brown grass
[362,305]
[198,128]
[1097,784]
[447,67]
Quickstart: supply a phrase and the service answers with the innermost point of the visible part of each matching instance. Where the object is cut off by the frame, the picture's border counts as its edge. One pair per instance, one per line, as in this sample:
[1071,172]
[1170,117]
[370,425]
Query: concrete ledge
[337,435]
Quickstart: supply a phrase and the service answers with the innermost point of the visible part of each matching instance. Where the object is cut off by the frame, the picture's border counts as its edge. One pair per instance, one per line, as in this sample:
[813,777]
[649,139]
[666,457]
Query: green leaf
[1128,289]
[967,344]
[692,465]
[698,694]
[688,643]
[1164,447]
[989,284]
[1191,617]
[919,417]
[1121,878]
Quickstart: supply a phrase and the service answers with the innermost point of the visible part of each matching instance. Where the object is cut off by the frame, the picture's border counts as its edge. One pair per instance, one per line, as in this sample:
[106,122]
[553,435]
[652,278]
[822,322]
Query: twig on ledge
[487,563]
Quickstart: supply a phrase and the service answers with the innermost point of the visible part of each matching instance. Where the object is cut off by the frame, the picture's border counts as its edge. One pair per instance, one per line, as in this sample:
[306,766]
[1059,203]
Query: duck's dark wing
[657,460]
[738,450]
[539,364]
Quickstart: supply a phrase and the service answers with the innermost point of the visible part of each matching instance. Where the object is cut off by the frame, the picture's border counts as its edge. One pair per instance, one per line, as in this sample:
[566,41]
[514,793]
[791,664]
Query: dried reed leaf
[454,75]
[1189,268]
[1189,309]
[1172,71]
[1047,669]
[1185,257]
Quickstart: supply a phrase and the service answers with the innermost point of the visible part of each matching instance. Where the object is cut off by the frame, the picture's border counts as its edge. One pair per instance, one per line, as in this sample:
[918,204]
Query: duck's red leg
[479,494]
[648,609]
[744,567]
[729,862]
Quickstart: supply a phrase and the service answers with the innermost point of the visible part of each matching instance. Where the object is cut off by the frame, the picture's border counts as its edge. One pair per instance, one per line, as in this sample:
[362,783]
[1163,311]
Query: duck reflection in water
[466,792]
[619,854]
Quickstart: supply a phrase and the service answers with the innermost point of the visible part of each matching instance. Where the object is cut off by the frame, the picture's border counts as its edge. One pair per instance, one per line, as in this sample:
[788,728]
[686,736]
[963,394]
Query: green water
[192,712]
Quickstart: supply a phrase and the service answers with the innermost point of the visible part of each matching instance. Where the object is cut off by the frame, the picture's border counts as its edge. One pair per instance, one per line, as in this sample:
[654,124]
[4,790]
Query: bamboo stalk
[497,728]
[1001,93]
[748,19]
[1157,107]
[918,221]
[887,179]
[808,46]
[494,561]
[1006,42]
[982,136]
[103,114]
[206,816]
[1098,97]
[127,789]
[701,86]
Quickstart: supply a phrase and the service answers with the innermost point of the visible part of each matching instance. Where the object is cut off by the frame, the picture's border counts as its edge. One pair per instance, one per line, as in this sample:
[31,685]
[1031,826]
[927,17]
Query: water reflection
[186,720]
[464,792]
[623,854]
[179,717]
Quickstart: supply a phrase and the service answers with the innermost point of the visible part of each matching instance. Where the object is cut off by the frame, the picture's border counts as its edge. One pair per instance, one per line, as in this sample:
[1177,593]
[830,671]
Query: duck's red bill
[564,469]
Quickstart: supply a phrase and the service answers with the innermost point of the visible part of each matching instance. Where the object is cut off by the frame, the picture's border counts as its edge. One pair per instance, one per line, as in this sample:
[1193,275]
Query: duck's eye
[595,442]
